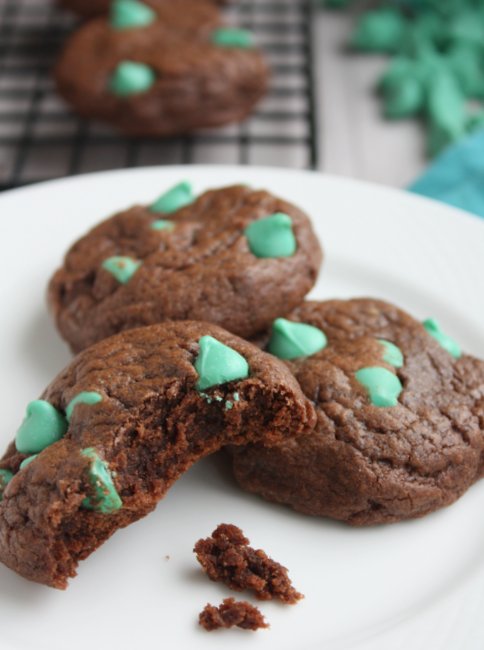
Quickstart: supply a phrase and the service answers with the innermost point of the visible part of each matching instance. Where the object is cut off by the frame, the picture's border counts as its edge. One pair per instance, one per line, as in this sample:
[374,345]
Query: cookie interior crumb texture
[227,557]
[232,613]
[116,457]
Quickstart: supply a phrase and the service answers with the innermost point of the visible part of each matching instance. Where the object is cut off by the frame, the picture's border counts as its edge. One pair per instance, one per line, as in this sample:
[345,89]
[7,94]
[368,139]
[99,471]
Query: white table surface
[355,140]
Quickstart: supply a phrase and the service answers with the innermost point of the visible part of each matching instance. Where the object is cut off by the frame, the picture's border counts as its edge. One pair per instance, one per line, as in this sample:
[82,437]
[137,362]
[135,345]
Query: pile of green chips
[437,66]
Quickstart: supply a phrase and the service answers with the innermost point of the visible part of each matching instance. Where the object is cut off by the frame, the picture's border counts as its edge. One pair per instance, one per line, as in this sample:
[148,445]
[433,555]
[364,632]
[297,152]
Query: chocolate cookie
[119,425]
[400,410]
[163,72]
[234,256]
[90,8]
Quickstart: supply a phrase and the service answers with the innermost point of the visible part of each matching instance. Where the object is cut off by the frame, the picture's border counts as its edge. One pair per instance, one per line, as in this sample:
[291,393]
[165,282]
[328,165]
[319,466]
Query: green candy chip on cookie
[444,340]
[232,37]
[5,477]
[174,199]
[272,236]
[391,353]
[382,385]
[122,268]
[218,364]
[292,340]
[131,78]
[105,498]
[86,397]
[42,426]
[128,14]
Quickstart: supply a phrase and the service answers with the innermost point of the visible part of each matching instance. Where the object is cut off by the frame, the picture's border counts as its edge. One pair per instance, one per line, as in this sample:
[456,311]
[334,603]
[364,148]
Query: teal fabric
[457,175]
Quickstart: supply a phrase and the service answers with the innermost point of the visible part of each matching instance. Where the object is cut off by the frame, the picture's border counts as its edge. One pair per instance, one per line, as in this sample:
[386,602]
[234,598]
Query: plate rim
[262,169]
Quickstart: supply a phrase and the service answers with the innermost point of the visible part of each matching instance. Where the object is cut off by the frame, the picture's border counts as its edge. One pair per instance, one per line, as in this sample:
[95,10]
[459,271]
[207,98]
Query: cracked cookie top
[400,418]
[235,256]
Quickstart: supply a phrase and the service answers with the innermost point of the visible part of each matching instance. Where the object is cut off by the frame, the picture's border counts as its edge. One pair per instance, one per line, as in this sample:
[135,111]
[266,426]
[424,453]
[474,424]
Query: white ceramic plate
[418,584]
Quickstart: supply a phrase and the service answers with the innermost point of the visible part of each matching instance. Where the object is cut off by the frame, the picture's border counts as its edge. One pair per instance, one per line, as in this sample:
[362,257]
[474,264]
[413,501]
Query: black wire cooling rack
[40,138]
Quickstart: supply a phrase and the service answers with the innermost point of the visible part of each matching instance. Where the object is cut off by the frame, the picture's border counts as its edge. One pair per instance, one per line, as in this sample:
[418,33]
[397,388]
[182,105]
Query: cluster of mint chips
[135,77]
[271,236]
[292,340]
[383,386]
[123,267]
[437,69]
[43,425]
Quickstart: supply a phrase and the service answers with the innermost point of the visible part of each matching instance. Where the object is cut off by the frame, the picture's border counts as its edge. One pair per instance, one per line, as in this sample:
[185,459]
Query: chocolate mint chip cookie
[119,425]
[89,8]
[234,256]
[400,409]
[162,70]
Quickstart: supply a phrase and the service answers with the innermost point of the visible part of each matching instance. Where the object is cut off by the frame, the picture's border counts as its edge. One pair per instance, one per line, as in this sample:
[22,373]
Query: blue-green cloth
[457,175]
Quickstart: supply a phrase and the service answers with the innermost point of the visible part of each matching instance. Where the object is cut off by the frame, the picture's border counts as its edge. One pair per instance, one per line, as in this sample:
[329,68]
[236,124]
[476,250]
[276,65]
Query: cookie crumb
[231,613]
[227,557]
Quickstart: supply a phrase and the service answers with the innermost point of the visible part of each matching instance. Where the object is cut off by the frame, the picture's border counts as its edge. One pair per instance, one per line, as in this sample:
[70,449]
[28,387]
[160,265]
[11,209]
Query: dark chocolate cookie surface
[119,425]
[400,428]
[234,256]
[172,73]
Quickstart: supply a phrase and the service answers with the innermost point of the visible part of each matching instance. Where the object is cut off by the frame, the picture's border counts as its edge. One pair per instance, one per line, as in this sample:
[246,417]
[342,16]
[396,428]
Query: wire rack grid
[40,138]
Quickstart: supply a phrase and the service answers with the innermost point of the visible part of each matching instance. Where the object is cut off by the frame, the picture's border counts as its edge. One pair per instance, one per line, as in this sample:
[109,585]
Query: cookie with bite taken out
[120,424]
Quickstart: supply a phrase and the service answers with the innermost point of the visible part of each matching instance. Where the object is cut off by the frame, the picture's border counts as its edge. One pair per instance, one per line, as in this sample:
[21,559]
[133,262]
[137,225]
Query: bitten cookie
[120,424]
[90,8]
[162,72]
[234,256]
[400,411]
